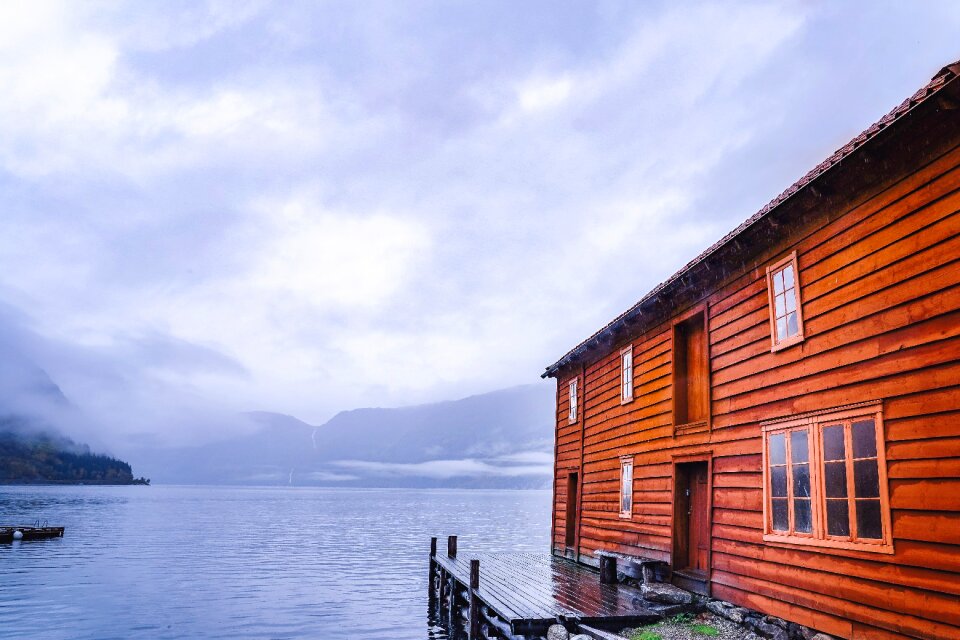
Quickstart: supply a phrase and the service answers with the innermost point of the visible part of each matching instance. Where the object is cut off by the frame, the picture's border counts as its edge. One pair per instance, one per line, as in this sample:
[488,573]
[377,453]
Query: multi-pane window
[786,317]
[788,457]
[852,479]
[572,413]
[626,487]
[626,374]
[825,480]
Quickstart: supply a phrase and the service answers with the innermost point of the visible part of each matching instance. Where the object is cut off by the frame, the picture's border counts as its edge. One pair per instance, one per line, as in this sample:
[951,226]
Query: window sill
[626,400]
[692,427]
[785,344]
[626,515]
[829,545]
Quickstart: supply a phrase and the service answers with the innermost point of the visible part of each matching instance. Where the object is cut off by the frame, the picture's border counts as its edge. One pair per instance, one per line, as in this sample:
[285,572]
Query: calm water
[200,562]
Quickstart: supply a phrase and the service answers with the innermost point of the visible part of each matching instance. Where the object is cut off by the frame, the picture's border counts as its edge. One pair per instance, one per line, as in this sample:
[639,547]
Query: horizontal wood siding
[567,455]
[880,287]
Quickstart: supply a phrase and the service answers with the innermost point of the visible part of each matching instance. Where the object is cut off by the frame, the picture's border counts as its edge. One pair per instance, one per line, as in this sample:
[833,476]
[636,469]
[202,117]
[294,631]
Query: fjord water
[227,562]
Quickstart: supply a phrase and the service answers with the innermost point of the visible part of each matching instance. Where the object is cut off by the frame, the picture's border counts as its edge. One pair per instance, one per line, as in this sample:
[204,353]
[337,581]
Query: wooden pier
[30,533]
[515,596]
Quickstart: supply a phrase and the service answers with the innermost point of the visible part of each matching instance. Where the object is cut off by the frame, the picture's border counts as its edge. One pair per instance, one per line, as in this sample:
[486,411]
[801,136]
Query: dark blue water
[201,562]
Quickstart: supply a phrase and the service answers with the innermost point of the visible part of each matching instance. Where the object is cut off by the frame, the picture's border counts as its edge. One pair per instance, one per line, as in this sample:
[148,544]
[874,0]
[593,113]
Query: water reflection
[173,562]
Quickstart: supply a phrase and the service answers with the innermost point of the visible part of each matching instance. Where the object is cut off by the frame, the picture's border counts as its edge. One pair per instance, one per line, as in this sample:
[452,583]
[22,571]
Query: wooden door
[691,543]
[698,541]
[572,515]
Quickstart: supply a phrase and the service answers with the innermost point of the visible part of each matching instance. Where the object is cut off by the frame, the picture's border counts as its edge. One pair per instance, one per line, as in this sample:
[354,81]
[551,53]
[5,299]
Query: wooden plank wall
[881,304]
[568,451]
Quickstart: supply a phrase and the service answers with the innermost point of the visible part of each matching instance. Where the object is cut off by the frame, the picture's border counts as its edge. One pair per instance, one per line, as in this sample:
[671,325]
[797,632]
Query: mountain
[32,452]
[502,439]
[32,449]
[31,457]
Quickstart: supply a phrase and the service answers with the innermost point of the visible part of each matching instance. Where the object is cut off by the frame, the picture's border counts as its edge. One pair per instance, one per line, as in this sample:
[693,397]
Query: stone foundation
[669,600]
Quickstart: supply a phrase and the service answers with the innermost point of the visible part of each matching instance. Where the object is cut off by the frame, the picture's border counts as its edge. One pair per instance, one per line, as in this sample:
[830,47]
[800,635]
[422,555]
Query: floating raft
[30,533]
[521,595]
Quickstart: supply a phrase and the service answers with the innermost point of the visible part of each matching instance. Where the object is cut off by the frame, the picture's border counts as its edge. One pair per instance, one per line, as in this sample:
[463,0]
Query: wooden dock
[30,533]
[521,595]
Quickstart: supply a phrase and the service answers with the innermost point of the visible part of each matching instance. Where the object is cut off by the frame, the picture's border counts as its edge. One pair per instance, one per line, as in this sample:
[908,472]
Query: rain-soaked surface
[202,562]
[539,588]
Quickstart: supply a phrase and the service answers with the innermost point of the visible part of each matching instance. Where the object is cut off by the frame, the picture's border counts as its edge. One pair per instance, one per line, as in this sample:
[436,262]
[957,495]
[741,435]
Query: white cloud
[354,209]
[543,93]
[465,468]
[74,103]
[328,476]
[326,258]
[528,457]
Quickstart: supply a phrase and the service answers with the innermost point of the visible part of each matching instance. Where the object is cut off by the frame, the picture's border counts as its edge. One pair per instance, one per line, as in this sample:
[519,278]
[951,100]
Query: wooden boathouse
[779,421]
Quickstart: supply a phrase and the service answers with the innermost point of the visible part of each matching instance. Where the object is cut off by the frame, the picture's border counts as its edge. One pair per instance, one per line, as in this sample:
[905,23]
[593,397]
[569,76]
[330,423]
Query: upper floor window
[691,373]
[825,480]
[626,374]
[786,316]
[626,486]
[572,412]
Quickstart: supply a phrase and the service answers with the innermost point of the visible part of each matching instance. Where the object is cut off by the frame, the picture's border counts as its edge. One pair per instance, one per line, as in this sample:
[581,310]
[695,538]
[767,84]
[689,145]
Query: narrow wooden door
[698,541]
[573,486]
[691,543]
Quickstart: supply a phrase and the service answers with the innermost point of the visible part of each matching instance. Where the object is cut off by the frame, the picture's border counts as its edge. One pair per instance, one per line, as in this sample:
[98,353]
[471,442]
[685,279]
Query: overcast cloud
[307,207]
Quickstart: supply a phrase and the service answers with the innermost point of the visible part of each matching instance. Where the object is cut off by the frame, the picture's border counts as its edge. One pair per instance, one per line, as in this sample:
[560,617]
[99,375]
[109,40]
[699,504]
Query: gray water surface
[226,562]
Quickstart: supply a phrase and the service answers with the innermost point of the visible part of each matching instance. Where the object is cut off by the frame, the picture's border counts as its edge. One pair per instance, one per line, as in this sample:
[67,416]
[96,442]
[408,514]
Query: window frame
[815,422]
[573,404]
[624,379]
[789,260]
[626,461]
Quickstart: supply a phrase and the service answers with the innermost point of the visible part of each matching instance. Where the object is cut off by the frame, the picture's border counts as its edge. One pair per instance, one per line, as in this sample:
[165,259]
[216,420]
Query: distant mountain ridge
[499,439]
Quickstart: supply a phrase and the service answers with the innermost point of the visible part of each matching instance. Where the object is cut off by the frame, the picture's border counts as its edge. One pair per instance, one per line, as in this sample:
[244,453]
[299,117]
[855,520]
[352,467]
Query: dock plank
[495,594]
[535,590]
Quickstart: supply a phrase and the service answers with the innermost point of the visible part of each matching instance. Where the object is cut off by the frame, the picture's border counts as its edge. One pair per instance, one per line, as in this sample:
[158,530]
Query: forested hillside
[46,459]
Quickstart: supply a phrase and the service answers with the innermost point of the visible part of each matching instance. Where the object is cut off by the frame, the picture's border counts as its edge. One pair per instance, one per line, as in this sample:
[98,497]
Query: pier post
[474,600]
[441,590]
[452,608]
[452,546]
[432,582]
[608,570]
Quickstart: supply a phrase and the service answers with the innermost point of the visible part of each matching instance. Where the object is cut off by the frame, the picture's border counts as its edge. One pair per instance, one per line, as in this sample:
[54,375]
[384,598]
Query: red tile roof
[946,74]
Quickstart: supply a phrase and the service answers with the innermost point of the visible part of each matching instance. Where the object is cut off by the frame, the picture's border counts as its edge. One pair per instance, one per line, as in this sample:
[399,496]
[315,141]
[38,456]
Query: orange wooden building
[780,420]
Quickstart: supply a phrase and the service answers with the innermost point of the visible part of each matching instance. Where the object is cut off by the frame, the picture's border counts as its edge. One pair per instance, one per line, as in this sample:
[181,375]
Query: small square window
[786,314]
[572,412]
[626,374]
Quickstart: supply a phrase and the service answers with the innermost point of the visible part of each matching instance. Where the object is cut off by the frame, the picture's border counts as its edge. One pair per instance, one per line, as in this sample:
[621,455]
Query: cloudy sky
[308,207]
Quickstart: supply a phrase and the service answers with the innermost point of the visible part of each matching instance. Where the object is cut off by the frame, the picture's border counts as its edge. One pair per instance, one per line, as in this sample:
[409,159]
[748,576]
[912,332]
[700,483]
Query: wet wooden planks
[531,591]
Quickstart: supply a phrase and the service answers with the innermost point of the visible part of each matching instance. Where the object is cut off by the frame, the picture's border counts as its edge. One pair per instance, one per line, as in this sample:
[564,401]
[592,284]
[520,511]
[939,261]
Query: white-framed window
[626,374]
[786,313]
[825,480]
[626,486]
[572,412]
